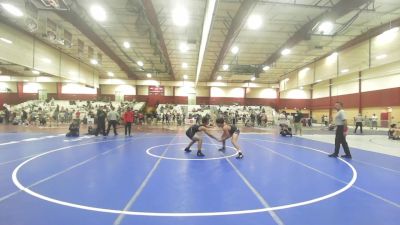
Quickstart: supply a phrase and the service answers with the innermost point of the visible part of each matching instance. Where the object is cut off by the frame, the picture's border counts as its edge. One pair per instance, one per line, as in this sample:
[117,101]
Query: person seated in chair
[394,132]
[285,130]
[73,129]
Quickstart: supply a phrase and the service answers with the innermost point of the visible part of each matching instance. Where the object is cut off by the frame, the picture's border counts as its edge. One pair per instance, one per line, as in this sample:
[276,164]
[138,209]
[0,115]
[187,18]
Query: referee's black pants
[341,139]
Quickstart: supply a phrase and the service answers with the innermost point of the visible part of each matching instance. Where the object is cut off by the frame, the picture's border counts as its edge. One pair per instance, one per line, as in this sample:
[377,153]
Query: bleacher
[214,111]
[67,109]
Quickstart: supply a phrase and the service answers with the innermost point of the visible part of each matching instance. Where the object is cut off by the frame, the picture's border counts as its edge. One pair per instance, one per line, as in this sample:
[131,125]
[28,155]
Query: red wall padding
[320,103]
[379,98]
[349,101]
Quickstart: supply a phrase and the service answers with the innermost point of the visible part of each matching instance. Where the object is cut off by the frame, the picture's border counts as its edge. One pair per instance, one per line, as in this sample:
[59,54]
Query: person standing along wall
[359,122]
[297,122]
[128,120]
[374,121]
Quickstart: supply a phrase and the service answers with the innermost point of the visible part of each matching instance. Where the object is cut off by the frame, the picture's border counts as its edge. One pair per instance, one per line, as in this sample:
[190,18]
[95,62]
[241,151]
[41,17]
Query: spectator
[128,120]
[298,116]
[359,122]
[394,132]
[101,122]
[112,118]
[374,121]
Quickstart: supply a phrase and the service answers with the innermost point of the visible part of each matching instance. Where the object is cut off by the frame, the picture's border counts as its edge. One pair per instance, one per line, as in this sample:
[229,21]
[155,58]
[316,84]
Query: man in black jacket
[101,121]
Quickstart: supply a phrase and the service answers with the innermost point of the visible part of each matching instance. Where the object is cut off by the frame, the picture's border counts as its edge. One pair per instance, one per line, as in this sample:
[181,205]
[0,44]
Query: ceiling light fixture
[225,67]
[180,17]
[185,77]
[332,58]
[35,72]
[183,47]
[381,56]
[254,22]
[12,9]
[334,55]
[73,73]
[219,78]
[140,63]
[304,71]
[286,51]
[318,81]
[388,35]
[253,78]
[345,70]
[6,40]
[46,60]
[126,44]
[98,13]
[265,68]
[110,74]
[94,61]
[235,50]
[184,65]
[325,28]
[148,75]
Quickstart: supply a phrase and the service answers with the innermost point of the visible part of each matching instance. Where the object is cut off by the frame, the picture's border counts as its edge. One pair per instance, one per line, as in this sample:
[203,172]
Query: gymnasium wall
[268,93]
[8,86]
[320,90]
[44,58]
[318,113]
[126,89]
[184,91]
[202,91]
[219,92]
[295,94]
[344,89]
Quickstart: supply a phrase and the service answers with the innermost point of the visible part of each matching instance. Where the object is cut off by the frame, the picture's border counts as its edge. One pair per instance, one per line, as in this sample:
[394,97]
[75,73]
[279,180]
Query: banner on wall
[156,90]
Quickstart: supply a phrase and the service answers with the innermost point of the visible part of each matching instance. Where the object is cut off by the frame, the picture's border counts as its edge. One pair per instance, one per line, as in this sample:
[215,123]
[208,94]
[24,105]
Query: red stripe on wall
[381,98]
[320,103]
[349,101]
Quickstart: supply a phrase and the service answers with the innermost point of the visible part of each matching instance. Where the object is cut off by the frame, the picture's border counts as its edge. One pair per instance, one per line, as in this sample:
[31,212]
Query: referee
[341,129]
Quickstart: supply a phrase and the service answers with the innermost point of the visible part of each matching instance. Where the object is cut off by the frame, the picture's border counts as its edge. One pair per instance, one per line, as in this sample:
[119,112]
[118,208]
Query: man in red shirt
[128,120]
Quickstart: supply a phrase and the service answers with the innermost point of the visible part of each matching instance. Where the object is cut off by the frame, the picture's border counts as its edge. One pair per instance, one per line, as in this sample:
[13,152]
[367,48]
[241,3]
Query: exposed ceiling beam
[371,33]
[337,11]
[359,39]
[205,34]
[152,18]
[80,24]
[237,24]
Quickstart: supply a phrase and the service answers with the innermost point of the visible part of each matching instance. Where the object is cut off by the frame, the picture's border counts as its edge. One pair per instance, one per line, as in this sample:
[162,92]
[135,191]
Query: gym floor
[47,179]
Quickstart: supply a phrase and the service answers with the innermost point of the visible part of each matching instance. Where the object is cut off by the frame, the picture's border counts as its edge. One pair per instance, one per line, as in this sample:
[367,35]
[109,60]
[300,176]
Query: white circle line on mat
[148,151]
[191,214]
